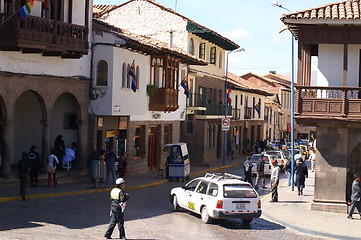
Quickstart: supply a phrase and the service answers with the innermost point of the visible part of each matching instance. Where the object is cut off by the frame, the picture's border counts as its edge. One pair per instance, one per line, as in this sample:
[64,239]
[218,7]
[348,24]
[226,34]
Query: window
[102,73]
[167,133]
[137,75]
[124,75]
[213,189]
[138,141]
[202,51]
[191,46]
[165,72]
[220,60]
[192,185]
[238,191]
[213,55]
[202,188]
[70,121]
[128,76]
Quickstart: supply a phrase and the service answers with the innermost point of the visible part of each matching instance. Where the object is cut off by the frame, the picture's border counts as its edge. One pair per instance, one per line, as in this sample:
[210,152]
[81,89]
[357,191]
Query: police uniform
[118,198]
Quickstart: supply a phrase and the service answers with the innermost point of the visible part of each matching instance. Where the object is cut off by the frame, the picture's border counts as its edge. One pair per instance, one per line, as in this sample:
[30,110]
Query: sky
[252,24]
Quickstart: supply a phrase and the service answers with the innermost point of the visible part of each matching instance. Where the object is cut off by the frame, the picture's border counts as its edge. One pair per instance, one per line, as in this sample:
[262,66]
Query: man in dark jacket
[260,172]
[24,167]
[34,157]
[118,202]
[355,196]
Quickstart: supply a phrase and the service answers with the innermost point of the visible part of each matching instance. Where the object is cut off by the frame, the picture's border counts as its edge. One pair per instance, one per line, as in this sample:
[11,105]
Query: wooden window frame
[168,67]
[202,51]
[191,46]
[213,55]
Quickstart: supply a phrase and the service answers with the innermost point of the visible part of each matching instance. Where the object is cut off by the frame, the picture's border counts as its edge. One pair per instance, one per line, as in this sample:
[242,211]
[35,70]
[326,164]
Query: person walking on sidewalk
[118,199]
[288,168]
[52,162]
[355,196]
[301,175]
[260,172]
[275,177]
[110,160]
[24,167]
[34,157]
[247,167]
[312,159]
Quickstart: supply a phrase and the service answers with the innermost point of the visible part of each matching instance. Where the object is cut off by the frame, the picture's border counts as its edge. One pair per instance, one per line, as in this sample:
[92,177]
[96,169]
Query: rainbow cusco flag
[25,10]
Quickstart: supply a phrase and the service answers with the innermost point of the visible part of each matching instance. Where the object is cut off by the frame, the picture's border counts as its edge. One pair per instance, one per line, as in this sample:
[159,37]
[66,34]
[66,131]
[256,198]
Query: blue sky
[253,24]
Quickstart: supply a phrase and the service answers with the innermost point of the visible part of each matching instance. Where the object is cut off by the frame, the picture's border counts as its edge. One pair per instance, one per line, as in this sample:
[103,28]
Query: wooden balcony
[41,35]
[164,99]
[247,113]
[333,104]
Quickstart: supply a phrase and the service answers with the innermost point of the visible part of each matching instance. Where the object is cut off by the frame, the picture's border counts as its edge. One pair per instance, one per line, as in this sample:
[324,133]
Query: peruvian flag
[229,95]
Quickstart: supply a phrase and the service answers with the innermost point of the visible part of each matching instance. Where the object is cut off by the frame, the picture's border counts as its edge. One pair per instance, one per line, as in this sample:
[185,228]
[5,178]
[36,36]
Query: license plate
[240,206]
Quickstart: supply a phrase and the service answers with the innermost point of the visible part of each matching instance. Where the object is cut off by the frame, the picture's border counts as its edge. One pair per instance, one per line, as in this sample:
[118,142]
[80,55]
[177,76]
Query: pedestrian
[288,168]
[301,175]
[52,163]
[70,155]
[233,147]
[34,157]
[110,160]
[355,196]
[260,172]
[122,164]
[24,167]
[312,159]
[255,146]
[247,167]
[93,165]
[118,199]
[59,150]
[275,176]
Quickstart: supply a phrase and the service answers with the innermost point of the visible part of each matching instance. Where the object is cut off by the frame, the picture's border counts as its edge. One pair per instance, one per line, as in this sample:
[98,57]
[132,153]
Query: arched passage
[29,111]
[65,118]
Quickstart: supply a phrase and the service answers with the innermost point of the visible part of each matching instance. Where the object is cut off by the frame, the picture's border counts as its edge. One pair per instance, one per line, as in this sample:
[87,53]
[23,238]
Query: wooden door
[153,145]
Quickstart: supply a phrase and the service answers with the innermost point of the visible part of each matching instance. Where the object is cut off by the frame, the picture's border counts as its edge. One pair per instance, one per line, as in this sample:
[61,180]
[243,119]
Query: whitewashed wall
[135,105]
[330,65]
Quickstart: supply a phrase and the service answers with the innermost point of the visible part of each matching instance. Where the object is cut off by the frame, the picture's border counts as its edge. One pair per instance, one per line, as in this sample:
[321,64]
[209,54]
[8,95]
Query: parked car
[279,156]
[267,166]
[218,196]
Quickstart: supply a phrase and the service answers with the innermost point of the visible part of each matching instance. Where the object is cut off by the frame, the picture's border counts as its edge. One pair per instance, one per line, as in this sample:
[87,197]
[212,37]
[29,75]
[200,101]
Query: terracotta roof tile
[348,10]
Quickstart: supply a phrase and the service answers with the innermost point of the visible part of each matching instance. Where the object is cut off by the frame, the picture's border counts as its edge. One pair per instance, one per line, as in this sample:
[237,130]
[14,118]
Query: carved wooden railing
[165,99]
[328,102]
[43,34]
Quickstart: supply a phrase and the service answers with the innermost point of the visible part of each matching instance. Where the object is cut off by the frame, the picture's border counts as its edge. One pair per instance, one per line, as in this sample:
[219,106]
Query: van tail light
[282,162]
[219,204]
[259,204]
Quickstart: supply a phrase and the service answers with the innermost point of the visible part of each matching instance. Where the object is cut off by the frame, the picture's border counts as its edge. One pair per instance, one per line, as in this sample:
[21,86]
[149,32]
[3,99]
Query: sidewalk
[295,212]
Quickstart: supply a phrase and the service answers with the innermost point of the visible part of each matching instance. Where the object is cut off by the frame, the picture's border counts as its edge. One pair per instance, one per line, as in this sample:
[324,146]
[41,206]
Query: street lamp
[226,104]
[277,4]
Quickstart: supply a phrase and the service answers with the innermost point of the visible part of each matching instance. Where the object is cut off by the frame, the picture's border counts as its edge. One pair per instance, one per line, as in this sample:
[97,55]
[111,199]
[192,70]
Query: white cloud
[236,33]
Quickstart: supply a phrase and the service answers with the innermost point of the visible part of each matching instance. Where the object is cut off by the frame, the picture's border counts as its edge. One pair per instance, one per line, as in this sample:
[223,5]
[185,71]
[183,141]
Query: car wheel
[204,214]
[247,221]
[175,204]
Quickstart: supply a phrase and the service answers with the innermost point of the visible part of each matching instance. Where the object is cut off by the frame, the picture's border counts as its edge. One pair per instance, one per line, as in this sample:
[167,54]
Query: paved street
[148,216]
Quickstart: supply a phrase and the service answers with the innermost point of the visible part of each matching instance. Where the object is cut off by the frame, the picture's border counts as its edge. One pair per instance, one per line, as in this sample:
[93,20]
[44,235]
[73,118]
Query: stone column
[82,144]
[45,141]
[7,146]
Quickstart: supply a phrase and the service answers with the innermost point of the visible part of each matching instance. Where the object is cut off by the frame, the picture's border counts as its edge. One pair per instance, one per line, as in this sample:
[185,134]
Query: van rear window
[238,191]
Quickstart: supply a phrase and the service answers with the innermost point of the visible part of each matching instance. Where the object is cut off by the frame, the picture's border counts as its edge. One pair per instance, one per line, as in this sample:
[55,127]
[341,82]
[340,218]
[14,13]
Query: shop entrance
[117,141]
[153,147]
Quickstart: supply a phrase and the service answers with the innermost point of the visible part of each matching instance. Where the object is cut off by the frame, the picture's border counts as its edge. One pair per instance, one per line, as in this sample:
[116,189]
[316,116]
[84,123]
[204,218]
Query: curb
[46,195]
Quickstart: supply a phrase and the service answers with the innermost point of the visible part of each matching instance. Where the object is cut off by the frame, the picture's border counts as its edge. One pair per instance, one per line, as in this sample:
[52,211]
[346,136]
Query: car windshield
[239,191]
[275,154]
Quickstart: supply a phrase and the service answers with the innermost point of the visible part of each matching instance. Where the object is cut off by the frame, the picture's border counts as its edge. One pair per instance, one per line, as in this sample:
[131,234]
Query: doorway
[153,147]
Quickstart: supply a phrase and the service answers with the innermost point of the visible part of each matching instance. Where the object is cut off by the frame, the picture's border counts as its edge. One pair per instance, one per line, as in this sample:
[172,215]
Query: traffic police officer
[118,202]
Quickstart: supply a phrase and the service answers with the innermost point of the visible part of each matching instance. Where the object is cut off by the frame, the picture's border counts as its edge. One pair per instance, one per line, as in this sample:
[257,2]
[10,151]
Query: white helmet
[119,181]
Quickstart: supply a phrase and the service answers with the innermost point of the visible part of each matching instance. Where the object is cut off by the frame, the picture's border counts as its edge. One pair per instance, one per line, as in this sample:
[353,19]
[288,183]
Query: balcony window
[102,73]
[165,72]
[213,55]
[191,46]
[202,51]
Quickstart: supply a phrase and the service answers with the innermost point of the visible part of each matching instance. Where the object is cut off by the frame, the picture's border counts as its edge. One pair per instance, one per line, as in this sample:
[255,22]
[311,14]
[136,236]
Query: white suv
[218,196]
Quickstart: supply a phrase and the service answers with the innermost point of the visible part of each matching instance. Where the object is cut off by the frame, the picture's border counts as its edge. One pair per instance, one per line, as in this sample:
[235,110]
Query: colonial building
[137,119]
[44,78]
[202,114]
[332,34]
